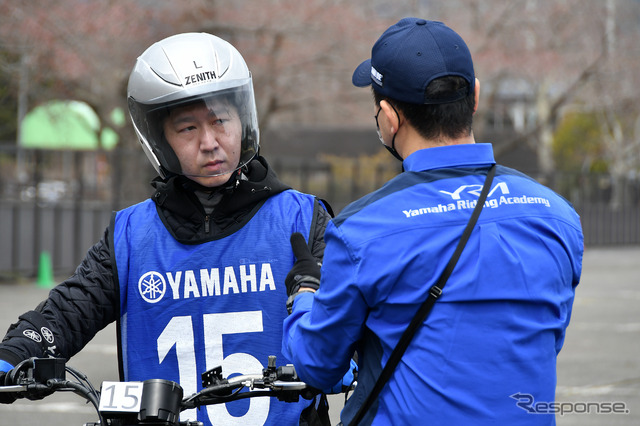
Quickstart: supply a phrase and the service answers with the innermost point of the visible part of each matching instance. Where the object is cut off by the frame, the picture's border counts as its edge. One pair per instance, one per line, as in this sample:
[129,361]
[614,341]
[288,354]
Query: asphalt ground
[598,368]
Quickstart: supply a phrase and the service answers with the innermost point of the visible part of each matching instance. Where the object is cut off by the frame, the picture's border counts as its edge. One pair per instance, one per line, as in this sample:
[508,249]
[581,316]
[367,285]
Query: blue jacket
[493,335]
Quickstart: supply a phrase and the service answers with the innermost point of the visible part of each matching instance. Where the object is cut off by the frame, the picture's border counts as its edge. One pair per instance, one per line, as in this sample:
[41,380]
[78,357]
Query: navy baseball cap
[412,53]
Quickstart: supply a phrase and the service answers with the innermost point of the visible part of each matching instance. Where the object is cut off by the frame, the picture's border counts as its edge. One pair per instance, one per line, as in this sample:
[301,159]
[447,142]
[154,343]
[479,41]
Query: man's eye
[220,119]
[186,129]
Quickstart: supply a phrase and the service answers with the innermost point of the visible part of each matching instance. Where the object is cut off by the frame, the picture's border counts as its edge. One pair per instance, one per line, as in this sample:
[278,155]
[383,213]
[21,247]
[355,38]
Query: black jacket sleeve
[316,239]
[74,311]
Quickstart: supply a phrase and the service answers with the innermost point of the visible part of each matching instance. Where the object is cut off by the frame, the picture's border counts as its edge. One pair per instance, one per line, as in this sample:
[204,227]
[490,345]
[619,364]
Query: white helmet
[182,69]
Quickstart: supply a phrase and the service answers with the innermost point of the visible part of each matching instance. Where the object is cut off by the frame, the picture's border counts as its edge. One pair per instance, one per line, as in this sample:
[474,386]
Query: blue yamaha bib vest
[189,308]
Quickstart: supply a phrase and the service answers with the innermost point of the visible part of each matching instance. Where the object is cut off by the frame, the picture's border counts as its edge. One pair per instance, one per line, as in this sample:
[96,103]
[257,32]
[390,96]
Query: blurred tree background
[546,55]
[559,85]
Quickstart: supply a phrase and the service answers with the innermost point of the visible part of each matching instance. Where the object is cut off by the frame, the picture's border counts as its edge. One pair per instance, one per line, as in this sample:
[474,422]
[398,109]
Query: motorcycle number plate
[120,397]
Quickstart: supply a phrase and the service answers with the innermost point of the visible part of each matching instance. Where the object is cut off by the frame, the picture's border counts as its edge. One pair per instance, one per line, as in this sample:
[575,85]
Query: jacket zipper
[206,224]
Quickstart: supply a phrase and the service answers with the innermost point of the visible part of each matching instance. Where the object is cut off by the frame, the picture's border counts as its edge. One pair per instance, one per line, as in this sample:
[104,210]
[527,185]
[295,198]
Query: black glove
[20,375]
[305,272]
[6,397]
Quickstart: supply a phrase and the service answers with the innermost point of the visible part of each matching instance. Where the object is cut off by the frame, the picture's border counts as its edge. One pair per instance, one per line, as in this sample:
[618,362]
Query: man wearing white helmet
[193,276]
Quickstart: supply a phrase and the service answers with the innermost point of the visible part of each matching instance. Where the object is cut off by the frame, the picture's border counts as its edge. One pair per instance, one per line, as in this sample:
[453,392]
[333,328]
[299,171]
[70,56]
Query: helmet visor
[205,135]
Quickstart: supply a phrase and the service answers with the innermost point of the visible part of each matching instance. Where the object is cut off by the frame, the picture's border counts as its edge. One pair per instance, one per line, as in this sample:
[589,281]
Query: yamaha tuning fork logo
[37,337]
[207,282]
[33,335]
[152,287]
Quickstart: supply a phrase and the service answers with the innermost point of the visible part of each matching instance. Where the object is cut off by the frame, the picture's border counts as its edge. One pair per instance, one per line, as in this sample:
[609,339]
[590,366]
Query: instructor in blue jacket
[487,352]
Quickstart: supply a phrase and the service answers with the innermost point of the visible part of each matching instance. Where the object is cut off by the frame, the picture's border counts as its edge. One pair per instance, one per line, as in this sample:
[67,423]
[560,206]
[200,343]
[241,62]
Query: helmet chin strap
[228,186]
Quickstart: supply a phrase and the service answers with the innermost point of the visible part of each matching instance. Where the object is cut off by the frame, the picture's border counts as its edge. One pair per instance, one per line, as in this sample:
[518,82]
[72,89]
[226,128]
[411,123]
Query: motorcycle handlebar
[38,377]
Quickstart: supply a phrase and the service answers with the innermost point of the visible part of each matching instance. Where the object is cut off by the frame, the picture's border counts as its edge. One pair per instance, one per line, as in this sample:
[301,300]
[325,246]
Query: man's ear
[391,116]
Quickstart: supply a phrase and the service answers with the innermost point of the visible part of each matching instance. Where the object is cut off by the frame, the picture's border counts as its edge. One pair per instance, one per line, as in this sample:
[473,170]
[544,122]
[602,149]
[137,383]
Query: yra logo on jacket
[475,190]
[465,197]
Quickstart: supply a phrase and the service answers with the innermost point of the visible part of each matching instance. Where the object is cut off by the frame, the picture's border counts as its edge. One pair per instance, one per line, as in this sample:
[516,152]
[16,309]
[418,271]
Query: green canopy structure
[66,124]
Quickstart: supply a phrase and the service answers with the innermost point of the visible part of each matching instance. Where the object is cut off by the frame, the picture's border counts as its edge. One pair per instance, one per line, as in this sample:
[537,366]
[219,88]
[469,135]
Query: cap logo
[376,76]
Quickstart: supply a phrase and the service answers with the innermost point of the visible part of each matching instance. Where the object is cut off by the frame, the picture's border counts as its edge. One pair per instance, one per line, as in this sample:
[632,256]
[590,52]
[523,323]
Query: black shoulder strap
[425,308]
